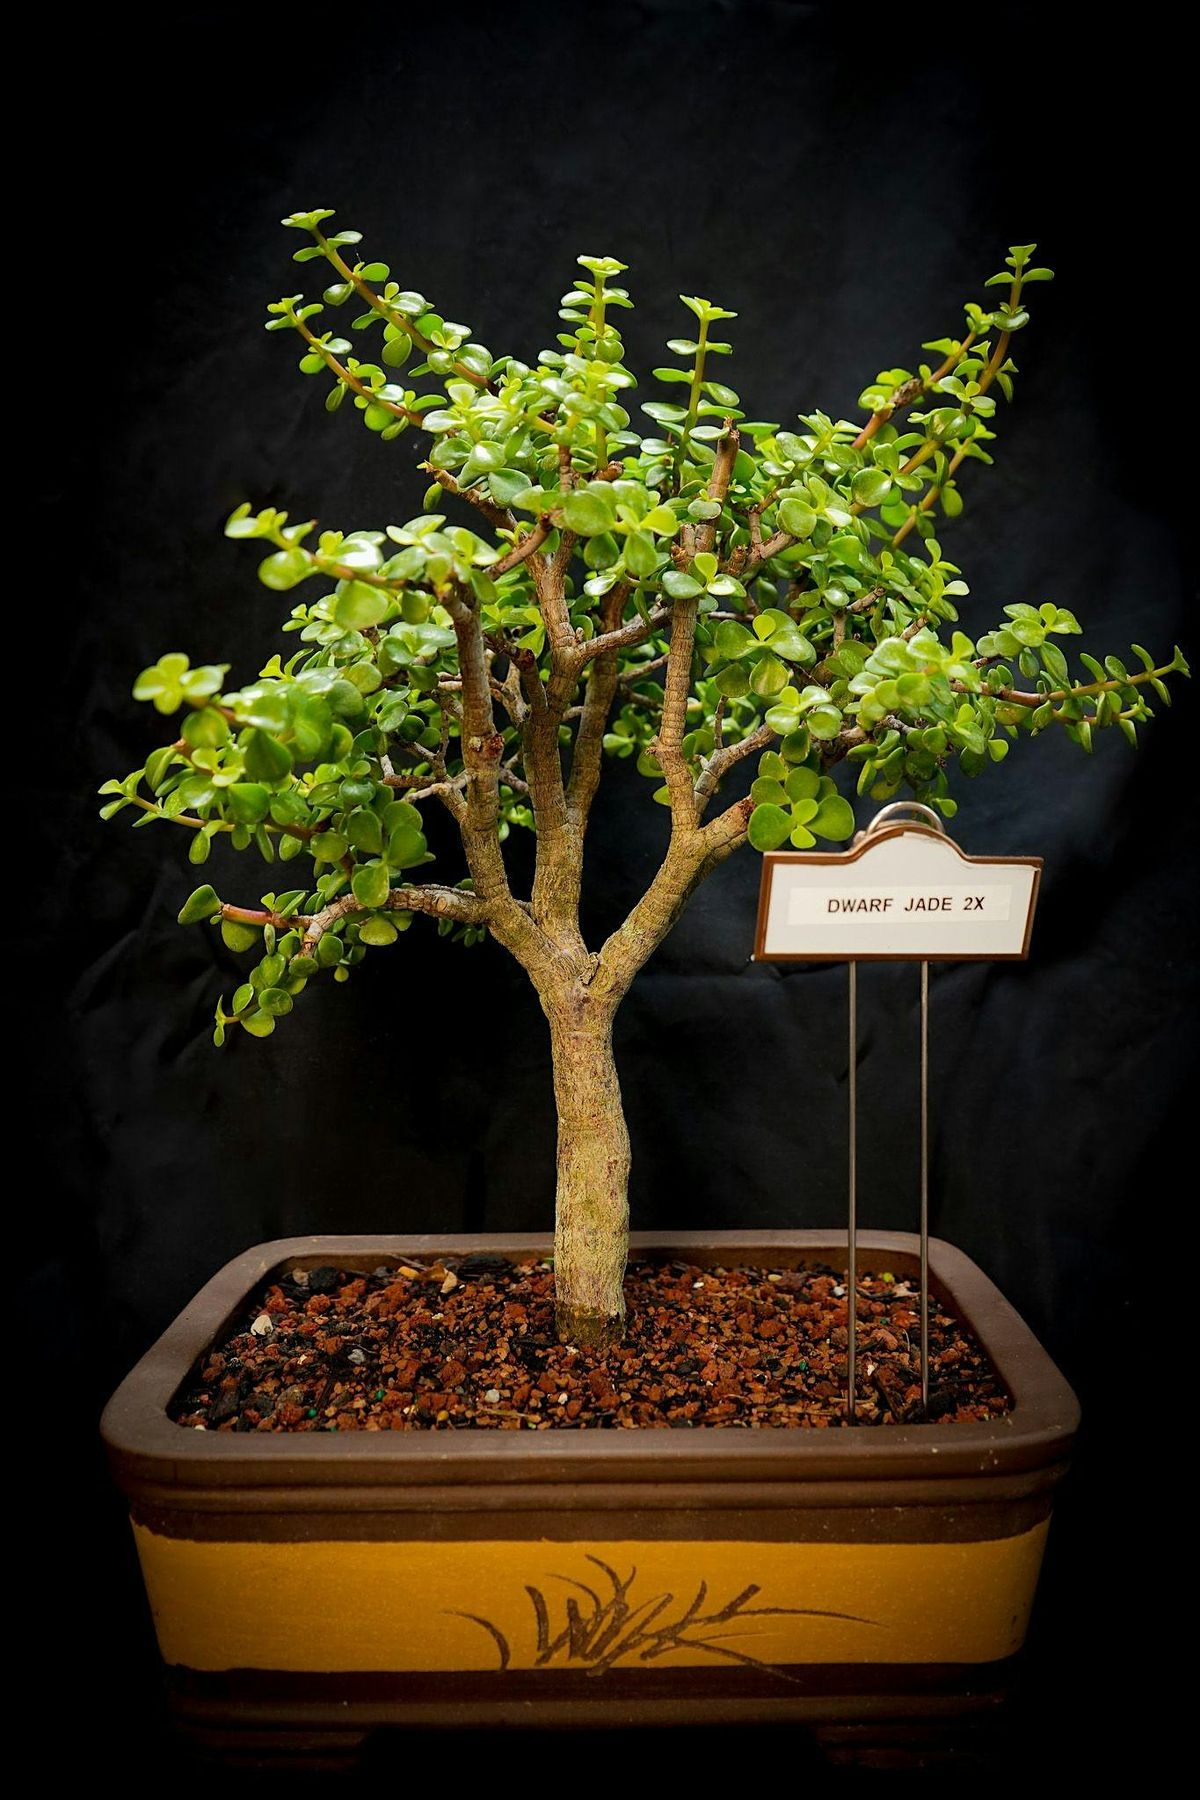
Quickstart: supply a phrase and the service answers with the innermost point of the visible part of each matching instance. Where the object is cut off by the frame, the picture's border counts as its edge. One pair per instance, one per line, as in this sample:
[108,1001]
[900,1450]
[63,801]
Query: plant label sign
[903,893]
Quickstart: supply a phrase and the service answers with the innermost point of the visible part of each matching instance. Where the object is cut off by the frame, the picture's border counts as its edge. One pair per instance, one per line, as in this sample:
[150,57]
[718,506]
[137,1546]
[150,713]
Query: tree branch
[668,747]
[911,390]
[588,752]
[253,915]
[625,637]
[725,758]
[555,878]
[782,540]
[495,515]
[520,551]
[995,364]
[343,374]
[482,748]
[424,897]
[1017,697]
[379,305]
[191,823]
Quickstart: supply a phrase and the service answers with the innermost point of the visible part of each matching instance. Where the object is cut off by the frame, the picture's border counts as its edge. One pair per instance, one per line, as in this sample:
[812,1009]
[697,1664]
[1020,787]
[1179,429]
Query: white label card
[906,892]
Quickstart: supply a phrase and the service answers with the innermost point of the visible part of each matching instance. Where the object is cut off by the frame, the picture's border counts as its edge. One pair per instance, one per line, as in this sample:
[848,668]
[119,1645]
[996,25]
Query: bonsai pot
[309,1589]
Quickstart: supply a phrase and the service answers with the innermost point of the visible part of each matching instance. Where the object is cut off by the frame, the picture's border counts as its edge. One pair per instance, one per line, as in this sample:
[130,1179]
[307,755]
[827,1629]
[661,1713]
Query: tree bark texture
[592,1208]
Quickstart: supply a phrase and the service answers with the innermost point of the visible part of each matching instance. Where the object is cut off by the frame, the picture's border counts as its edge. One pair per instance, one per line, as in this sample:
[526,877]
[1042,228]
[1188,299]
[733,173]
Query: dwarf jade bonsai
[706,592]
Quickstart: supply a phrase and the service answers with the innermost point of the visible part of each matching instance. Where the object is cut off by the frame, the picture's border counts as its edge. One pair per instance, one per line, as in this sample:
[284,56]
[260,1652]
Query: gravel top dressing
[470,1342]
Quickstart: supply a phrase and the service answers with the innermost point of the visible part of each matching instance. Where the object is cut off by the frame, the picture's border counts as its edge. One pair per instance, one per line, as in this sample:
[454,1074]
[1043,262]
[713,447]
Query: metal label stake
[852,1183]
[852,1196]
[903,892]
[923,1226]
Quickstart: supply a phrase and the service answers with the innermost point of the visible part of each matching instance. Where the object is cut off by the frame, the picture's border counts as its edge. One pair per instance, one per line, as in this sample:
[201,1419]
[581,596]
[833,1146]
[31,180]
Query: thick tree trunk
[592,1215]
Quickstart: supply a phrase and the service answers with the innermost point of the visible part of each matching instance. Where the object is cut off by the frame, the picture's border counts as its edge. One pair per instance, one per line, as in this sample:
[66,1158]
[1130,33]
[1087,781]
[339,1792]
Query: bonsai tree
[693,595]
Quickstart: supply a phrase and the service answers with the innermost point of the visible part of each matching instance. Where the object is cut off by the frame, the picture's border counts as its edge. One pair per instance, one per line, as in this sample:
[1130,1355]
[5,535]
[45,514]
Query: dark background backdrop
[845,178]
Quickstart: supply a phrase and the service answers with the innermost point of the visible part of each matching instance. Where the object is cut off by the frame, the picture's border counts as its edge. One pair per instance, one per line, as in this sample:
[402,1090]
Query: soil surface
[470,1342]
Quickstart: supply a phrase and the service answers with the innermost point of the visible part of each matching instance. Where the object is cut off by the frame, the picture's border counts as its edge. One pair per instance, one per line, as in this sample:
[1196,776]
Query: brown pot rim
[149,1452]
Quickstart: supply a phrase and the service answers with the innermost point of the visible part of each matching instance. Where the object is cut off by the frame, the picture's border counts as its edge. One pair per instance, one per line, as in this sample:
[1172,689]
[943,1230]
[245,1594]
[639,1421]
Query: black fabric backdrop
[844,182]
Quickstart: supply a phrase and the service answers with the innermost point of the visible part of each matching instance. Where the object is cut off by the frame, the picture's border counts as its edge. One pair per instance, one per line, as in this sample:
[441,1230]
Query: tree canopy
[687,593]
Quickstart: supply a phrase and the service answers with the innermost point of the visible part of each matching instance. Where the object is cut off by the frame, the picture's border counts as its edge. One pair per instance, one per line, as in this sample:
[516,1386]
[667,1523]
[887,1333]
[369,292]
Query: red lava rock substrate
[470,1342]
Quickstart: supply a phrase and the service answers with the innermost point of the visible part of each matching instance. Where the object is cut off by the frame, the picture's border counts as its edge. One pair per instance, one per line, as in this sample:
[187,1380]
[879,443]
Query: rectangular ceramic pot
[318,1587]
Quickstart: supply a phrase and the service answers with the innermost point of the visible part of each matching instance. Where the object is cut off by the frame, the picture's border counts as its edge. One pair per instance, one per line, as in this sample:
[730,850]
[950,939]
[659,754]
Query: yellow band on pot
[420,1606]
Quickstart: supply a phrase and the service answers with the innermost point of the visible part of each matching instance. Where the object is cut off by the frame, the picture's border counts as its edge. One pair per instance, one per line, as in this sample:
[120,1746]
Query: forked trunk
[592,1215]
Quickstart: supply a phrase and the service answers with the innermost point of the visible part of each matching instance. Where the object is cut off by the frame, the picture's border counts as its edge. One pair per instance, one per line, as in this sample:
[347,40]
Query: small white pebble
[358,1356]
[199,1427]
[562,1399]
[839,1292]
[300,1277]
[262,1326]
[492,1395]
[774,1277]
[697,1284]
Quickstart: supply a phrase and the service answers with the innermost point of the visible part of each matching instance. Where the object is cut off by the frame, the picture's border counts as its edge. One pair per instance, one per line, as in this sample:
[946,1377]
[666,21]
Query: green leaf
[265,758]
[205,729]
[802,784]
[237,936]
[680,586]
[641,555]
[871,486]
[733,640]
[329,950]
[370,884]
[247,802]
[285,568]
[768,676]
[359,606]
[378,931]
[401,812]
[586,513]
[258,1024]
[796,518]
[506,486]
[783,716]
[365,830]
[733,681]
[769,827]
[274,1002]
[834,818]
[158,765]
[781,633]
[824,722]
[328,846]
[200,905]
[406,847]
